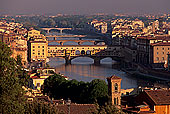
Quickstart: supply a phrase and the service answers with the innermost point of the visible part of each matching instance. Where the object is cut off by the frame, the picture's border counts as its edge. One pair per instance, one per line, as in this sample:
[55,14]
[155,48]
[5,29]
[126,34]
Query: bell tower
[114,89]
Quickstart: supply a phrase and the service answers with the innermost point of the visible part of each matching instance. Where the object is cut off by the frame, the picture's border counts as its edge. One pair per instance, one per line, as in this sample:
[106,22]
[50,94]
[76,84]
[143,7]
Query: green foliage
[37,107]
[80,92]
[98,90]
[11,93]
[12,77]
[22,74]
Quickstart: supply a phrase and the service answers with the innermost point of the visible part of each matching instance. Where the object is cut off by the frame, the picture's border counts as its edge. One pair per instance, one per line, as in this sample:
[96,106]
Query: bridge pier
[79,43]
[48,31]
[97,61]
[67,60]
[61,31]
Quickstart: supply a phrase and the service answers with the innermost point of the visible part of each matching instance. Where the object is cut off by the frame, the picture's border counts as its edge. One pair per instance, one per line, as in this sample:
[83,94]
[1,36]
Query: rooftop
[161,44]
[159,97]
[114,77]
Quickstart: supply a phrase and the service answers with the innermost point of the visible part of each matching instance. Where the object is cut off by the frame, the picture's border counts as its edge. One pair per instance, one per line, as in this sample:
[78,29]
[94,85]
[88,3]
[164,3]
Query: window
[38,53]
[162,58]
[42,49]
[157,48]
[42,46]
[157,58]
[116,87]
[162,48]
[33,53]
[162,52]
[157,53]
[168,48]
[33,46]
[115,101]
[33,50]
[42,53]
[38,84]
[38,46]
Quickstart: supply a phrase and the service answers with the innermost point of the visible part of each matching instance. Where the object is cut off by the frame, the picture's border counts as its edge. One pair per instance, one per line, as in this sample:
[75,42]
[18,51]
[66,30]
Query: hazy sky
[83,6]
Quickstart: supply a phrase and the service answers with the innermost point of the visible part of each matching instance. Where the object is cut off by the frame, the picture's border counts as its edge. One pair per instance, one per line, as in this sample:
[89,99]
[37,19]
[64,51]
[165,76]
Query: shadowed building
[114,89]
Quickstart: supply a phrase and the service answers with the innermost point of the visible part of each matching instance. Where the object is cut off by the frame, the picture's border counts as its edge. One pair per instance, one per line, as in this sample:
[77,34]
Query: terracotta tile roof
[159,97]
[145,37]
[113,77]
[38,41]
[77,108]
[34,77]
[161,44]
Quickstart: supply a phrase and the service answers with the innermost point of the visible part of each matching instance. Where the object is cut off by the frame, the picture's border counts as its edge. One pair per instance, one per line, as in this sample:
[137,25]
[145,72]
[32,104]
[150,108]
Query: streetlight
[68,104]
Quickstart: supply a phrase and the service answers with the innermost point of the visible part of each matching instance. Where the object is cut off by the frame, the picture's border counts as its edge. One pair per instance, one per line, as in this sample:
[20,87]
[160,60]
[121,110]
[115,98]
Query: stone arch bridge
[60,29]
[79,42]
[96,52]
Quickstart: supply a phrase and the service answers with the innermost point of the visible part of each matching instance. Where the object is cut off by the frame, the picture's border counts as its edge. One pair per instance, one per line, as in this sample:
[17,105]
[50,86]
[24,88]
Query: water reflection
[82,69]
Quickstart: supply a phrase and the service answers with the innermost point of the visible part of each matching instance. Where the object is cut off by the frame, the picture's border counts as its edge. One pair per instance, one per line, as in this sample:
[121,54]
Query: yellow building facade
[33,33]
[38,50]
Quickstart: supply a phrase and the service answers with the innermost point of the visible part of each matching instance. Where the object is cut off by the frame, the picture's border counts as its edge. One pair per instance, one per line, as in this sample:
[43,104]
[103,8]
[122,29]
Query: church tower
[114,89]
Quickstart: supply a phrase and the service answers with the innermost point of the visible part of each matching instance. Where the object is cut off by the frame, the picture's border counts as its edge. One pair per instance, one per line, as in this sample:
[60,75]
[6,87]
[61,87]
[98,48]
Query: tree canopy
[11,93]
[79,92]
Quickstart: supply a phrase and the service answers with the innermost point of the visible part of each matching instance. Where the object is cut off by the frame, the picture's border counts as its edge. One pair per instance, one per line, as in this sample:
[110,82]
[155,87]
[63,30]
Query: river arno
[83,69]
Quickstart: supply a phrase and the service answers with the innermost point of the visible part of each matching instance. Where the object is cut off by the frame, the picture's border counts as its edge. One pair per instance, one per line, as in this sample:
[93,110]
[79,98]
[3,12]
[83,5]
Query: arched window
[116,87]
[115,101]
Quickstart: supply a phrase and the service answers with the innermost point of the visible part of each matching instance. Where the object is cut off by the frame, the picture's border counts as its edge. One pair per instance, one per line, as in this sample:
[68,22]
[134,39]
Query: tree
[53,86]
[98,91]
[78,92]
[11,93]
[22,74]
[38,107]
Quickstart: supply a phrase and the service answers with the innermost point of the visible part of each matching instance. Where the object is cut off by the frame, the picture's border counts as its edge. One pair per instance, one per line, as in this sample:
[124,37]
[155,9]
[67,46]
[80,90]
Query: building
[157,100]
[143,45]
[98,26]
[114,89]
[37,49]
[145,51]
[33,33]
[38,81]
[159,53]
[40,75]
[137,24]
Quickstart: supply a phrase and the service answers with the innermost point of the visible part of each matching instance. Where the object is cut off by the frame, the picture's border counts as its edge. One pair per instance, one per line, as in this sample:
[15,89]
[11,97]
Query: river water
[83,69]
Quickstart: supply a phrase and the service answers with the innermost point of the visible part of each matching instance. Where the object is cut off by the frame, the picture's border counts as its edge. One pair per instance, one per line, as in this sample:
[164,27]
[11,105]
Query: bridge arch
[83,52]
[88,52]
[70,43]
[54,43]
[87,60]
[77,52]
[100,43]
[87,43]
